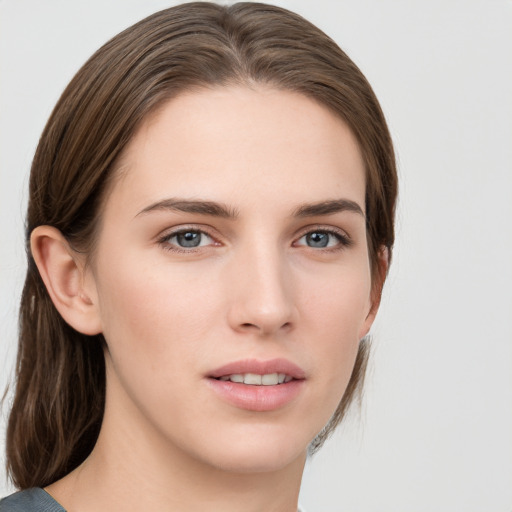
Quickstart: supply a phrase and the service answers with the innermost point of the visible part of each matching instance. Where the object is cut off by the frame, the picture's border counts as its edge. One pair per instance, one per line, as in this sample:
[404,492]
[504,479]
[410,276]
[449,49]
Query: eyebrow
[201,207]
[328,208]
[214,209]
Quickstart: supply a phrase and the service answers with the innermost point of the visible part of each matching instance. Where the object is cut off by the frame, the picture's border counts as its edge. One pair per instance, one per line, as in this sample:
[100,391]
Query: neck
[120,479]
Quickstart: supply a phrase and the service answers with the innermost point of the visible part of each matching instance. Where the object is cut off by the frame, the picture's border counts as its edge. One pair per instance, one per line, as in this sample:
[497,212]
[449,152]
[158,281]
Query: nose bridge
[263,296]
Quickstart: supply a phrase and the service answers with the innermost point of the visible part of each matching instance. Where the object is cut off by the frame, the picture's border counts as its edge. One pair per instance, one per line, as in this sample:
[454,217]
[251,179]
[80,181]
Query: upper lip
[260,368]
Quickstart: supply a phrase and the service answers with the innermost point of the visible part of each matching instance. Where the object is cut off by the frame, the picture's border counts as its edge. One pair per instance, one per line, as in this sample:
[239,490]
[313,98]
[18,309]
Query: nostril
[248,325]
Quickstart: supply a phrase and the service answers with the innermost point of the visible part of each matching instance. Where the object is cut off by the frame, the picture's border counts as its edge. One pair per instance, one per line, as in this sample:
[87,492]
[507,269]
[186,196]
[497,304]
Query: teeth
[270,379]
[253,379]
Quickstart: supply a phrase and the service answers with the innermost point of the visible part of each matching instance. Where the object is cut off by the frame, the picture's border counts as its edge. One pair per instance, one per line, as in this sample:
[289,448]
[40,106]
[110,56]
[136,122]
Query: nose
[262,297]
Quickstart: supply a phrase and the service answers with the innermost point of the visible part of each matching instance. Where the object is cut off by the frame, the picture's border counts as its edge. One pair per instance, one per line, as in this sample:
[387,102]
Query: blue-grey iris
[189,239]
[317,239]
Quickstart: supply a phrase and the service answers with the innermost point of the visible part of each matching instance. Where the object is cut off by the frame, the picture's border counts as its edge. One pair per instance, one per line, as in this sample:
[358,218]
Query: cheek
[156,320]
[155,313]
[337,299]
[337,307]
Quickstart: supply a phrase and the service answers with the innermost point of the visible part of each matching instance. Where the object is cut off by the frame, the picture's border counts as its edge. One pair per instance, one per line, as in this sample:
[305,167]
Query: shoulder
[30,500]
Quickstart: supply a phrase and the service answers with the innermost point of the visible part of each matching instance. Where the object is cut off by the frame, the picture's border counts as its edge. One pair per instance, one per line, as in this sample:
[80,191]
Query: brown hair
[60,374]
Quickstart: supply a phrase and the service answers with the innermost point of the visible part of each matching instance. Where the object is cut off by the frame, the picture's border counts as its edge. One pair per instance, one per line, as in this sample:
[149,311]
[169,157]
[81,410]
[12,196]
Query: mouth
[254,379]
[259,373]
[258,385]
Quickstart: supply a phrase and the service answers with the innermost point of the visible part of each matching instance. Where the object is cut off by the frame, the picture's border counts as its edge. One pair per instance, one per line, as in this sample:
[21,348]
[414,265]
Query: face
[233,246]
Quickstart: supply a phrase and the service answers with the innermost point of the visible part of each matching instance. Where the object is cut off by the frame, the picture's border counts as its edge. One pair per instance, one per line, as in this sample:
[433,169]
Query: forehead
[240,144]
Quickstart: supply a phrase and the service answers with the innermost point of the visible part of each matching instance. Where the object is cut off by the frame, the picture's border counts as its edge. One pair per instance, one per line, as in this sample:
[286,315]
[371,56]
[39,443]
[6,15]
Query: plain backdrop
[435,430]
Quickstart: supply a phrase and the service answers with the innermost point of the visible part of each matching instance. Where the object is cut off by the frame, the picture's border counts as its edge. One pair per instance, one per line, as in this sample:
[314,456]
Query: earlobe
[63,274]
[376,292]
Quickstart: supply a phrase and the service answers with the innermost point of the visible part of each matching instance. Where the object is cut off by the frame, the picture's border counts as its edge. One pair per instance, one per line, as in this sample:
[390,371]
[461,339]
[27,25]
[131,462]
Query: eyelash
[342,238]
[164,241]
[344,241]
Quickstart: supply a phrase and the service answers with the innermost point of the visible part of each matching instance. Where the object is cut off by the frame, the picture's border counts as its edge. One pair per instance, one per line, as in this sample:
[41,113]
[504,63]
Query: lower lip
[257,398]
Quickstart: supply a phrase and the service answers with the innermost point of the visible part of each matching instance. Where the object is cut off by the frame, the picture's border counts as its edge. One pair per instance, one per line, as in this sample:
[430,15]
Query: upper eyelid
[170,232]
[327,229]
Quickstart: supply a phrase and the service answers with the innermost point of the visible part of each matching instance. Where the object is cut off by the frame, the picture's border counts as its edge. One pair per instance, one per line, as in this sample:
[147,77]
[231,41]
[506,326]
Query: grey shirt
[35,500]
[30,500]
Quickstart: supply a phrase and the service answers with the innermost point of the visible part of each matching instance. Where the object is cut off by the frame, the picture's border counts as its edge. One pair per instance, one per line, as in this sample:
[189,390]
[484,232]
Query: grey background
[435,431]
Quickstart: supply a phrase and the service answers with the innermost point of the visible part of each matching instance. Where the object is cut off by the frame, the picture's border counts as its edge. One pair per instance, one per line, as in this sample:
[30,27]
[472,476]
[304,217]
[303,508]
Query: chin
[258,461]
[257,450]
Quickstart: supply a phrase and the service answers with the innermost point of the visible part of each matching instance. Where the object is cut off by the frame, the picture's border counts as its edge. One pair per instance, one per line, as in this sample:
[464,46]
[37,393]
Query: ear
[63,271]
[376,293]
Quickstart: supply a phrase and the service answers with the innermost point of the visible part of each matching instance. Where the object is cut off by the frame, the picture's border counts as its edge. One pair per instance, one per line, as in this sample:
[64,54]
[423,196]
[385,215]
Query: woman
[209,228]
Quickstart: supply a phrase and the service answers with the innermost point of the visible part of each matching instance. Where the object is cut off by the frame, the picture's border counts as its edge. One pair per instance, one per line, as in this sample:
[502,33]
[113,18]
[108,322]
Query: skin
[253,288]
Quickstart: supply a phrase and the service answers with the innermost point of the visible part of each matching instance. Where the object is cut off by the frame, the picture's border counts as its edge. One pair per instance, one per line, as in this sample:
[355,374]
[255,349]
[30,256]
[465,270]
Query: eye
[186,239]
[324,239]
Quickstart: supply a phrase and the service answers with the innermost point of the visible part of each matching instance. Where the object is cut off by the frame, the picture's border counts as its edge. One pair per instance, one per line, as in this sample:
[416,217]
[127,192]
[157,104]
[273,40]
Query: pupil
[318,239]
[189,239]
